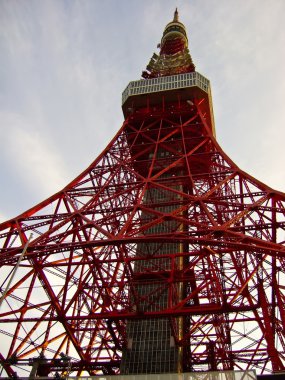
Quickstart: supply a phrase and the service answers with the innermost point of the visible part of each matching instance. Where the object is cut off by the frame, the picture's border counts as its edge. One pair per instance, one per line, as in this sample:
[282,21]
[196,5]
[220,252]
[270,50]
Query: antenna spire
[175,18]
[174,57]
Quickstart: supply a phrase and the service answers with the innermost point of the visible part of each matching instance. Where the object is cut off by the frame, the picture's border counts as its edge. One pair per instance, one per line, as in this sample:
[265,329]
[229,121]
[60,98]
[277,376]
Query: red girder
[77,287]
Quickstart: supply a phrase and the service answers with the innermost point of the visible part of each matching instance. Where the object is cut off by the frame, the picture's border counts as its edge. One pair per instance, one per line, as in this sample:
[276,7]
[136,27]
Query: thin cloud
[36,166]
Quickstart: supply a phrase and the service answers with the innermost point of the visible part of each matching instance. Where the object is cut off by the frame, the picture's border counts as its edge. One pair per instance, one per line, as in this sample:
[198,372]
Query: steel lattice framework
[76,288]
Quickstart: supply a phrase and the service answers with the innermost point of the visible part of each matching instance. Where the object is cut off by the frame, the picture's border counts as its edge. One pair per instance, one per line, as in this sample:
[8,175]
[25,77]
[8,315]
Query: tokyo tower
[163,256]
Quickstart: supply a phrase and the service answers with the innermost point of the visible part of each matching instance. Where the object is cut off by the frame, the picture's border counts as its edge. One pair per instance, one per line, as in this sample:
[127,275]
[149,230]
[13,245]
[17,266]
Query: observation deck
[146,93]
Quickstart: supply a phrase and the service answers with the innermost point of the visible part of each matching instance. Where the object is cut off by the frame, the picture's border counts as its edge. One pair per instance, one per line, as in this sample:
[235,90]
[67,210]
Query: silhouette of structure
[162,256]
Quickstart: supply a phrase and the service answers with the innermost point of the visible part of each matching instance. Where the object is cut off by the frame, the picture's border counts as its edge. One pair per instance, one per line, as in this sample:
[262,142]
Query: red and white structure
[162,229]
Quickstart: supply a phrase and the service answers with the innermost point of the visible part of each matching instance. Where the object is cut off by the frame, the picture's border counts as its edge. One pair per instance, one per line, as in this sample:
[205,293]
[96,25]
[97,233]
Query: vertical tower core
[168,91]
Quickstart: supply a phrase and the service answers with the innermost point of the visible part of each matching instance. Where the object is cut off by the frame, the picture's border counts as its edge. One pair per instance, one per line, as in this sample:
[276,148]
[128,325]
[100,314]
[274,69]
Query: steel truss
[76,287]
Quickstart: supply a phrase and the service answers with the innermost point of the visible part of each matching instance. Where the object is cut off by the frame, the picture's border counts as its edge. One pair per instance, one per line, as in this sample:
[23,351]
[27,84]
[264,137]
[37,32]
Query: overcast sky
[64,65]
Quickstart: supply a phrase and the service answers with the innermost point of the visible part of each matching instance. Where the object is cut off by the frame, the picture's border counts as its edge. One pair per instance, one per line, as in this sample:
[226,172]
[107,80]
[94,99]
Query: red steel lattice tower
[162,256]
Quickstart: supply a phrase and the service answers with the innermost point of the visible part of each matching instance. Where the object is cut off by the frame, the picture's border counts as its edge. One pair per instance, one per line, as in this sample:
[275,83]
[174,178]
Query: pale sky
[64,65]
